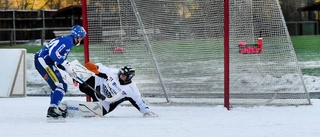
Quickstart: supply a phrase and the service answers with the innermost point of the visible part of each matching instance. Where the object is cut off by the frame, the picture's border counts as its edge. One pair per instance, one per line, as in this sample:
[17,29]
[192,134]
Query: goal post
[13,73]
[209,52]
[226,46]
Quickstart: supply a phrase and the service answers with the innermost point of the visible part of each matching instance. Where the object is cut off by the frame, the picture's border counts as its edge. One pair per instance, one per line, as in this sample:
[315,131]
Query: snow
[26,117]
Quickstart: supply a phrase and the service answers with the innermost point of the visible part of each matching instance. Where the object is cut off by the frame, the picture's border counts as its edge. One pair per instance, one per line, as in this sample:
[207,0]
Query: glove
[102,75]
[92,67]
[69,70]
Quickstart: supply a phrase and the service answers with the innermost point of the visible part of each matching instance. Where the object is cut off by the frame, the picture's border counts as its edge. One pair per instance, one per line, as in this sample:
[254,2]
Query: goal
[223,52]
[13,73]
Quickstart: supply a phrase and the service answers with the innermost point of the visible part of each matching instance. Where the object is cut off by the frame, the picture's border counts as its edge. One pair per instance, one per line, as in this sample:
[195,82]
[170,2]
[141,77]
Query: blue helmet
[78,31]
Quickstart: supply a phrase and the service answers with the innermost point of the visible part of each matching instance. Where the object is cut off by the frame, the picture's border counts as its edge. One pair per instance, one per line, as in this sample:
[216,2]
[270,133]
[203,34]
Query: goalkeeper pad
[81,71]
[81,109]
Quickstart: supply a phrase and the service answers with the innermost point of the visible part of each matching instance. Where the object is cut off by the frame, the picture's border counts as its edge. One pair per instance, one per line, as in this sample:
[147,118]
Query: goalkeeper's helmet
[127,71]
[78,32]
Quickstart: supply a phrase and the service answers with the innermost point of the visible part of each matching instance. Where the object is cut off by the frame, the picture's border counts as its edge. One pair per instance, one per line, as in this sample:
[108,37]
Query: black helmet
[129,72]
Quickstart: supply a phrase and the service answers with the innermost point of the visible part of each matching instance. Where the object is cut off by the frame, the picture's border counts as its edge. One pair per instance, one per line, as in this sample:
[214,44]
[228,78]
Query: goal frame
[226,46]
[86,39]
[226,55]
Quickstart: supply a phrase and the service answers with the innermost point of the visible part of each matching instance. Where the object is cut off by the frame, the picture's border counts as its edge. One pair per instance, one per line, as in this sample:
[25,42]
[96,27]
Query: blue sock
[56,97]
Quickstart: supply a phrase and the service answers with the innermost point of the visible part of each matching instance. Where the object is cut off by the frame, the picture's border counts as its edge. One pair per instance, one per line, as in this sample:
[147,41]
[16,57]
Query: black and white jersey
[117,93]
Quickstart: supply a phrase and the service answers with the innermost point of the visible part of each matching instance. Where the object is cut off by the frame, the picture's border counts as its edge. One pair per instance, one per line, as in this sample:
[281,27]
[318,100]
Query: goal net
[177,49]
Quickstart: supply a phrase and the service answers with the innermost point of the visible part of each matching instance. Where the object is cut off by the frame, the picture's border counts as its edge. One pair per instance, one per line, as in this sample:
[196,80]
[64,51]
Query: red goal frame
[226,48]
[86,39]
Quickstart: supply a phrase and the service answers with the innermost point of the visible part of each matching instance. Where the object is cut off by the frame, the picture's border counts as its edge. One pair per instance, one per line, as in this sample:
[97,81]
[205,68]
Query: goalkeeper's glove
[69,70]
[102,75]
[92,67]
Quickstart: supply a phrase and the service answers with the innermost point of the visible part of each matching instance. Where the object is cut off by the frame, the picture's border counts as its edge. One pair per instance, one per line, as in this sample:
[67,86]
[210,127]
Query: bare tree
[58,4]
[5,4]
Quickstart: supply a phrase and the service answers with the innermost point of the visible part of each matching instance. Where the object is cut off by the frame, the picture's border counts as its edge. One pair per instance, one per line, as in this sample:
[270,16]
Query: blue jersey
[56,50]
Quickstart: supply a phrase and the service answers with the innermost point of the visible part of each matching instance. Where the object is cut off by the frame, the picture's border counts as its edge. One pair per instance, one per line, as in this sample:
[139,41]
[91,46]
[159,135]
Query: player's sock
[56,97]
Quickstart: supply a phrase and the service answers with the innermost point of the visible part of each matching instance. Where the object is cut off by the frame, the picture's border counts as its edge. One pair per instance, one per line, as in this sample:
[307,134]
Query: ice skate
[54,115]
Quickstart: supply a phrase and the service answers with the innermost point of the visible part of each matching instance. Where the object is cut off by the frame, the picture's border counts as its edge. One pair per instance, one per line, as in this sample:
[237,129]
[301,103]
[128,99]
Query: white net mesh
[176,47]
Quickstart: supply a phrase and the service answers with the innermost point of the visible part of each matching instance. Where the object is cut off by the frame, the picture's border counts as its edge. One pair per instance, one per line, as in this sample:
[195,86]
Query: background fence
[21,26]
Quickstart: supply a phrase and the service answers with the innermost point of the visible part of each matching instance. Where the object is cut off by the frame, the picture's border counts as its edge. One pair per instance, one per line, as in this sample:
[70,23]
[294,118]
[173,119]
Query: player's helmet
[77,31]
[129,72]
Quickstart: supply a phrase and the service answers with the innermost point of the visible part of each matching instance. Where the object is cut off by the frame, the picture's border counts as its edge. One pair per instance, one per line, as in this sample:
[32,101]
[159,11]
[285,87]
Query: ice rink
[26,117]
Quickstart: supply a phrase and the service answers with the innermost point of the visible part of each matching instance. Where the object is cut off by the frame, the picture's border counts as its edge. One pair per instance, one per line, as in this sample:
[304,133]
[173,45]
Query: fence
[296,28]
[20,26]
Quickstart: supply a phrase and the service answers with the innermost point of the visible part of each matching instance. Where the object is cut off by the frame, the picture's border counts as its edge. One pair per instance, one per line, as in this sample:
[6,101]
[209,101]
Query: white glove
[69,70]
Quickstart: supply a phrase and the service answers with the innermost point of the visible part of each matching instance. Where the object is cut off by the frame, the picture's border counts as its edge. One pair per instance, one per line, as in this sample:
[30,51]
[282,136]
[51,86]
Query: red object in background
[118,50]
[260,44]
[249,50]
[241,43]
[245,48]
[256,50]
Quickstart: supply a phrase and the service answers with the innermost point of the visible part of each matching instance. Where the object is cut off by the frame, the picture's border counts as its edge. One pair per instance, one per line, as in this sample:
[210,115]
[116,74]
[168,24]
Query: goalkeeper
[53,56]
[116,86]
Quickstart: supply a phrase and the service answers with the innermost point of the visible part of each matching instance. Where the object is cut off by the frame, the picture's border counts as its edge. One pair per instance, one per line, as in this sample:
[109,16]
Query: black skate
[63,113]
[54,115]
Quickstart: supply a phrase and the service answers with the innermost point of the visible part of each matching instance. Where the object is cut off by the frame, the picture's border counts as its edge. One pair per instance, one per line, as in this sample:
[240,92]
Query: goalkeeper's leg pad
[75,108]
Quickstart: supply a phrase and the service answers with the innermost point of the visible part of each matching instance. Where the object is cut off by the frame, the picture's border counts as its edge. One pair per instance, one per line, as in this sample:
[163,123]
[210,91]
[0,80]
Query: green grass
[311,71]
[30,49]
[307,48]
